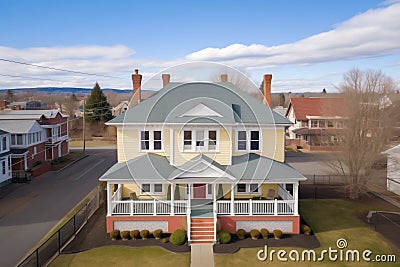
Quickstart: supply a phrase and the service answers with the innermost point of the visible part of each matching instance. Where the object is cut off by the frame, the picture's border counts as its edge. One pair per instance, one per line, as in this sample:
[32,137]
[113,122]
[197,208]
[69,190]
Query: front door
[199,191]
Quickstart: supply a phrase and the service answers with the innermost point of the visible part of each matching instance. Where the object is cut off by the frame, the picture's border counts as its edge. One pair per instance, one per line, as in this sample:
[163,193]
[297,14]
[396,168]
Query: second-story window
[248,140]
[150,140]
[314,124]
[242,140]
[4,143]
[254,140]
[200,140]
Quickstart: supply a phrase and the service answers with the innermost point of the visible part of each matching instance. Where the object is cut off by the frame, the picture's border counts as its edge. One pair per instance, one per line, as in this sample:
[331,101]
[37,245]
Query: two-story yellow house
[201,156]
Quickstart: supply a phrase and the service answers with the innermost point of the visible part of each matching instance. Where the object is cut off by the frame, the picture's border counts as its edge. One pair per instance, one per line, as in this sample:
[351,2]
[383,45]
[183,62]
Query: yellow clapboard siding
[264,191]
[272,144]
[128,144]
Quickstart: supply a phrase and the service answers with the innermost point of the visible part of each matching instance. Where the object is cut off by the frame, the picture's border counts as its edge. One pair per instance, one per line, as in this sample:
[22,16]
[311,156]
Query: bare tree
[367,126]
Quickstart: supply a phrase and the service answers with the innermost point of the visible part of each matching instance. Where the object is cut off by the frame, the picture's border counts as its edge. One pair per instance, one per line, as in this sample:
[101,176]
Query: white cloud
[373,33]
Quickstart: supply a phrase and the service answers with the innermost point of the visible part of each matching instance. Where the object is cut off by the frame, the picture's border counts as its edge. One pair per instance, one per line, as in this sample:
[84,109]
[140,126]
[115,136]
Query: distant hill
[65,90]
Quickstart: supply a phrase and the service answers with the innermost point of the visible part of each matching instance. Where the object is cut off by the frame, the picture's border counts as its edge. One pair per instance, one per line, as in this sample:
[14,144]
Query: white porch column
[109,196]
[296,197]
[233,199]
[26,161]
[215,196]
[172,200]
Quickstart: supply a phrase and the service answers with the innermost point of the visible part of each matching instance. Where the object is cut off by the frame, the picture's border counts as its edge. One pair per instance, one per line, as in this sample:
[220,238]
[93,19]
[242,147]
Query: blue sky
[306,45]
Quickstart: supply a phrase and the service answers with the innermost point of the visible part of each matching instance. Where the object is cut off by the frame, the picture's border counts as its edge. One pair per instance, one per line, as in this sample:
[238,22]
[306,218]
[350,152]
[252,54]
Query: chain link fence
[55,243]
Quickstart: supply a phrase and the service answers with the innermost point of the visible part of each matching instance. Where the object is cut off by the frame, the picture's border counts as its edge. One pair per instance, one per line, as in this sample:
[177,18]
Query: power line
[57,69]
[27,77]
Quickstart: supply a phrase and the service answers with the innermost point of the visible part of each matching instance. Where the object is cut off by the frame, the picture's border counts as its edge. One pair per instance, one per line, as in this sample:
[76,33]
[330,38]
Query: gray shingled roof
[20,126]
[29,114]
[152,167]
[175,99]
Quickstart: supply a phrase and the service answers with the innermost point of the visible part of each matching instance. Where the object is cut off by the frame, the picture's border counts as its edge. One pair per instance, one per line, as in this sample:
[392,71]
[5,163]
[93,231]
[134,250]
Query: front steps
[202,231]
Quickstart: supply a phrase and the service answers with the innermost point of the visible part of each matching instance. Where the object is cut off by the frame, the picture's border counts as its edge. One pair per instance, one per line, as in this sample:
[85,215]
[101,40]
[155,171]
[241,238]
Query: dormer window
[150,140]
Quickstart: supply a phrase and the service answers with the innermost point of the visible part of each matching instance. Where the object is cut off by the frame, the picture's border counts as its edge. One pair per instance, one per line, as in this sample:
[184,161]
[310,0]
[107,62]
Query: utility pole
[83,128]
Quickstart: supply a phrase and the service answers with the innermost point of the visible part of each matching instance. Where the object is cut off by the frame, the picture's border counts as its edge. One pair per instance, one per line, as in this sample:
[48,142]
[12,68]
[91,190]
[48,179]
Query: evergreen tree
[324,91]
[9,95]
[97,107]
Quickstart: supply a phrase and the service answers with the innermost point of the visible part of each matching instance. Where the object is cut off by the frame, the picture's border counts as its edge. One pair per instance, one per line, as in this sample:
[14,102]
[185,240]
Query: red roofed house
[316,122]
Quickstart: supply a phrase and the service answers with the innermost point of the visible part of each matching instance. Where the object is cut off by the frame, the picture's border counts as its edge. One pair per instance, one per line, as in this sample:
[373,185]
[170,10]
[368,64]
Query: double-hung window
[152,189]
[200,140]
[248,188]
[150,140]
[248,140]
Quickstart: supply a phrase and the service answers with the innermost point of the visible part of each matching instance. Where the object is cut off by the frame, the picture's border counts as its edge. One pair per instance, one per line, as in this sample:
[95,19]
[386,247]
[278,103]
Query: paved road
[29,211]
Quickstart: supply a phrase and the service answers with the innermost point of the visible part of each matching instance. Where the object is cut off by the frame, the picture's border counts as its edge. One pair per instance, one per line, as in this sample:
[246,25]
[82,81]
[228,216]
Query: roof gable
[201,110]
[316,106]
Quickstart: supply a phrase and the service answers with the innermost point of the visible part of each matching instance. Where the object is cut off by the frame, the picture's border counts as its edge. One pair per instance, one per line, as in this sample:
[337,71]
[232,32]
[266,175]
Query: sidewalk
[202,255]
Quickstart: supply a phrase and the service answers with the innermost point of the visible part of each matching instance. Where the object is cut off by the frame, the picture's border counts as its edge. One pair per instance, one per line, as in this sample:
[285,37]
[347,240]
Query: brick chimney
[3,104]
[165,79]
[224,78]
[137,83]
[267,89]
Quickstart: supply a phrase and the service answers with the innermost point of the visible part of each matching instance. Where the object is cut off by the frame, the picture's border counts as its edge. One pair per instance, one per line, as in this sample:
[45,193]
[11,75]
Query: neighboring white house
[5,158]
[393,169]
[120,108]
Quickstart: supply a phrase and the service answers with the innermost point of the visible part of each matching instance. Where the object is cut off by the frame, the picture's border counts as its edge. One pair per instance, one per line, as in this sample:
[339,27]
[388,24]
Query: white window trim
[151,140]
[248,136]
[248,189]
[206,139]
[152,192]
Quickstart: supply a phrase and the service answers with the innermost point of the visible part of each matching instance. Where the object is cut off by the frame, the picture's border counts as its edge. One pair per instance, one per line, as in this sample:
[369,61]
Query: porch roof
[155,168]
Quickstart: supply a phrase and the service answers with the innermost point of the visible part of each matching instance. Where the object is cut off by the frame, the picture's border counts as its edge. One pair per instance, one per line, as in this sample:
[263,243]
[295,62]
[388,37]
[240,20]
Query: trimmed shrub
[114,234]
[241,234]
[144,234]
[305,229]
[135,234]
[157,233]
[264,233]
[125,235]
[255,234]
[178,237]
[224,237]
[278,234]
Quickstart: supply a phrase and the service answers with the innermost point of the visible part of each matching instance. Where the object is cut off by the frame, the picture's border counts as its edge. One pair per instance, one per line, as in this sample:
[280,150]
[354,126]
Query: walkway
[201,255]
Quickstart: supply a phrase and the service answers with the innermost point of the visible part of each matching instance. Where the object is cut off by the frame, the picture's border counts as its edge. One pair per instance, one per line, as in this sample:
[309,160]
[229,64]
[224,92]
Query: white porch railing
[256,207]
[148,207]
[283,193]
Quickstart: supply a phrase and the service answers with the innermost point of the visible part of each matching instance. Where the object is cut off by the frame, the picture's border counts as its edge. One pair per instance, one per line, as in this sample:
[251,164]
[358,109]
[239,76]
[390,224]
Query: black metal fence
[54,244]
[324,179]
[388,225]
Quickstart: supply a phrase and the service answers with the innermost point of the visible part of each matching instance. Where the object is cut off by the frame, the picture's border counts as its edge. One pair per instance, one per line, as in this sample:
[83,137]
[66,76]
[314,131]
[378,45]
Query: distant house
[54,123]
[393,169]
[5,157]
[316,122]
[27,105]
[120,108]
[27,143]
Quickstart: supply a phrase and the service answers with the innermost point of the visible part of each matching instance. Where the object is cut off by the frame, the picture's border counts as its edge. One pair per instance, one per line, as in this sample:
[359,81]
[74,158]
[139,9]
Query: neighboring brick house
[55,124]
[199,154]
[316,122]
[5,157]
[27,143]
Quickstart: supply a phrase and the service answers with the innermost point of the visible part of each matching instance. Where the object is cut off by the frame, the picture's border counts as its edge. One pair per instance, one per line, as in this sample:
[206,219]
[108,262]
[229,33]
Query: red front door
[199,191]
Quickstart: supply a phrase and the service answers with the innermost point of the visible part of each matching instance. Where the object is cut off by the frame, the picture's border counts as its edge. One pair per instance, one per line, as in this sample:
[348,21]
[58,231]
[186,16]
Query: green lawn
[123,256]
[331,220]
